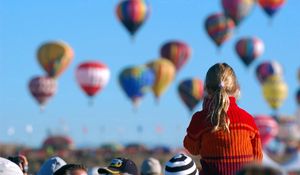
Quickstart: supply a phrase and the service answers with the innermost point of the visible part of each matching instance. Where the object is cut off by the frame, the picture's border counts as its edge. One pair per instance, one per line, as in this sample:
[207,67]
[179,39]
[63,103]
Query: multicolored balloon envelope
[237,10]
[298,96]
[136,81]
[55,57]
[132,14]
[177,52]
[164,71]
[249,49]
[267,126]
[92,76]
[219,28]
[288,129]
[267,69]
[42,89]
[274,91]
[191,92]
[271,6]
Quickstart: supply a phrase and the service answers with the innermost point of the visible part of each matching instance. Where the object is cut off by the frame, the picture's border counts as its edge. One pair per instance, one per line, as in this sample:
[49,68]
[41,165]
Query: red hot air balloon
[42,89]
[267,126]
[177,52]
[249,49]
[132,14]
[92,76]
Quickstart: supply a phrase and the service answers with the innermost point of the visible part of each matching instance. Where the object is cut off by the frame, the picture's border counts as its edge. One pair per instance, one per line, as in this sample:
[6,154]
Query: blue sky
[93,31]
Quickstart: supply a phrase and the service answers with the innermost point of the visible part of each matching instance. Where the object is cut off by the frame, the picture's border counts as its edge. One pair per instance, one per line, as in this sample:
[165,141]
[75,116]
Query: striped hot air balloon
[271,6]
[237,10]
[132,14]
[191,92]
[219,28]
[249,49]
[55,57]
[177,52]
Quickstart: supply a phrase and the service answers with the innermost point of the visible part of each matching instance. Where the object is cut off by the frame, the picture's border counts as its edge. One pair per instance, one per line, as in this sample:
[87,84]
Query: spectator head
[151,166]
[181,164]
[51,165]
[257,169]
[8,167]
[71,169]
[120,166]
[21,161]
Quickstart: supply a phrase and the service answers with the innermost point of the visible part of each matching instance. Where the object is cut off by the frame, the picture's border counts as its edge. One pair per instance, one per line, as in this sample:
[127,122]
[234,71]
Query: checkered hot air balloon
[42,88]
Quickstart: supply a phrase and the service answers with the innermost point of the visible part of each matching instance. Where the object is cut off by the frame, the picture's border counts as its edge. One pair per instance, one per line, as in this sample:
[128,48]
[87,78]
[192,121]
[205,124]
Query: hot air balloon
[274,91]
[298,96]
[164,71]
[298,75]
[237,10]
[267,126]
[288,129]
[191,92]
[92,76]
[219,28]
[136,81]
[268,68]
[42,89]
[55,57]
[271,6]
[132,14]
[249,49]
[177,52]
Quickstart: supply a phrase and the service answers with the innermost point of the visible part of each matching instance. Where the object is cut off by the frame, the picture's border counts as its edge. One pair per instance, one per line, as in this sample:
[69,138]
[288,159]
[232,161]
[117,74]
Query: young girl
[224,135]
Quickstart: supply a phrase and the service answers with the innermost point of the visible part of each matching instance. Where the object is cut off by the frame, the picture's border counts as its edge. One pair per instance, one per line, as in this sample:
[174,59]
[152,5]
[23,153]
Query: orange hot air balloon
[55,57]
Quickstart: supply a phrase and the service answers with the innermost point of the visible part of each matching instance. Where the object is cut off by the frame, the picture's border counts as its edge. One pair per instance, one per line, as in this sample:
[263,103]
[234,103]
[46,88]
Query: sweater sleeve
[192,141]
[256,144]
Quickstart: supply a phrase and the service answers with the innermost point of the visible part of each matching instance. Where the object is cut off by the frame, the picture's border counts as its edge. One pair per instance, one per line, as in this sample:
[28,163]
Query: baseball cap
[51,165]
[120,165]
[8,167]
[151,166]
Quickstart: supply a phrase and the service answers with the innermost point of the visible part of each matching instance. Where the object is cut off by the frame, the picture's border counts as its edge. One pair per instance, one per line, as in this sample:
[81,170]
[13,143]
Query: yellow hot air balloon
[164,74]
[54,57]
[275,91]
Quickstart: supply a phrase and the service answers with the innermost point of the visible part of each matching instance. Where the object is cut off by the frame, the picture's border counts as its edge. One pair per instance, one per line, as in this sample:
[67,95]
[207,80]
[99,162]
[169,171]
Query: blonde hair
[220,83]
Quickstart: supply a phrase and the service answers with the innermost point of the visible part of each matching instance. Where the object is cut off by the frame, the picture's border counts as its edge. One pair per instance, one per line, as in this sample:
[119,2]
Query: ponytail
[218,110]
[220,83]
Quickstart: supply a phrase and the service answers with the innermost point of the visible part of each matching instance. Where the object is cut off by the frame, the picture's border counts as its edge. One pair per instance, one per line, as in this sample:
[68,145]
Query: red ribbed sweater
[224,153]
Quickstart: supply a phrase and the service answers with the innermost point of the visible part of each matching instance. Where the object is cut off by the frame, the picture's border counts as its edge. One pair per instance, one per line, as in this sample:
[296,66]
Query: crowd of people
[179,164]
[222,134]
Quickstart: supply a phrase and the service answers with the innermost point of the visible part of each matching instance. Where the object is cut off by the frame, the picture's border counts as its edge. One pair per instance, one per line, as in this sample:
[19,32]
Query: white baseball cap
[8,167]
